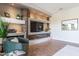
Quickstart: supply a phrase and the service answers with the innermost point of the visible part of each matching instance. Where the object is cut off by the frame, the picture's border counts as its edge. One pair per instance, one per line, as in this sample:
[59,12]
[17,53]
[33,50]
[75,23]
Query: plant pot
[1,40]
[0,48]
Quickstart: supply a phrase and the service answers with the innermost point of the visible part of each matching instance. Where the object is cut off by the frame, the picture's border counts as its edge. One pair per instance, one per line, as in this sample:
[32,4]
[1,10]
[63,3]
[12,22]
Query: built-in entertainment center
[26,21]
[38,25]
[38,29]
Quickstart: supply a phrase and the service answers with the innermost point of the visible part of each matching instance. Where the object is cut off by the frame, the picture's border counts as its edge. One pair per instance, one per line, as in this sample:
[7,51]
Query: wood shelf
[39,20]
[12,20]
[15,34]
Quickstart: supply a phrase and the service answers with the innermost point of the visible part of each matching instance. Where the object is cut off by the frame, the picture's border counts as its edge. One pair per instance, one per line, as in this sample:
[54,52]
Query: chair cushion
[9,46]
[15,40]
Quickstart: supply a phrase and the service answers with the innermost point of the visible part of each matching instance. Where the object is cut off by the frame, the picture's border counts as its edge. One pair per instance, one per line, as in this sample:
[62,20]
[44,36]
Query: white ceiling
[51,8]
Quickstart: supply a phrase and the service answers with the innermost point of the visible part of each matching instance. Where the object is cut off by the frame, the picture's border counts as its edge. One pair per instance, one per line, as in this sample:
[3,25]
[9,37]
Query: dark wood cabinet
[38,36]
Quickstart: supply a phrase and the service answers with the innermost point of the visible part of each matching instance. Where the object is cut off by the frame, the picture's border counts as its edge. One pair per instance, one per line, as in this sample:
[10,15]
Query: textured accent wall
[13,11]
[18,28]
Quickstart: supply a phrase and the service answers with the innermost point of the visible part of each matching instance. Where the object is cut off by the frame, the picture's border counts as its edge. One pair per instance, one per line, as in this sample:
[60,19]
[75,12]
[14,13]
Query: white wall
[55,25]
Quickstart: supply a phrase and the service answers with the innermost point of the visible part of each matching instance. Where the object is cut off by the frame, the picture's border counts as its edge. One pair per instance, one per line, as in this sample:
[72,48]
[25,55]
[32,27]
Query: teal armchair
[9,46]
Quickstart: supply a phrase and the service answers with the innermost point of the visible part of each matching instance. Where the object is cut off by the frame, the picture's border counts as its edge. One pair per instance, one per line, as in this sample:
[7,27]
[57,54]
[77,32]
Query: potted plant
[3,29]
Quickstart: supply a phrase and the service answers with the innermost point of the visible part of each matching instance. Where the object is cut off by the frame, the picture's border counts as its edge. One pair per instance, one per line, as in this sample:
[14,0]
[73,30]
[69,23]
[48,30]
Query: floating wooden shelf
[15,34]
[12,20]
[39,20]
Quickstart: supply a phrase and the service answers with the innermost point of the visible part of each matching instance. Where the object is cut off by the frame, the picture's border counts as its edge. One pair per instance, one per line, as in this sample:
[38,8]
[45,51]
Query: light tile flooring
[68,50]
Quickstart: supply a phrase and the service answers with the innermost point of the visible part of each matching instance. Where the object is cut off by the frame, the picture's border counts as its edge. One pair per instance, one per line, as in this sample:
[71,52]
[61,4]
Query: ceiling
[51,8]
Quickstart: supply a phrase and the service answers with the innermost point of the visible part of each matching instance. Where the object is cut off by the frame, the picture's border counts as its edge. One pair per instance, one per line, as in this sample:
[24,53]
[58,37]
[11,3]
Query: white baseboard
[37,41]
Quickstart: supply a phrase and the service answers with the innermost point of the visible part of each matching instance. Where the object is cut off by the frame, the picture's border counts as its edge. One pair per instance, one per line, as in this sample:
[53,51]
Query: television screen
[36,26]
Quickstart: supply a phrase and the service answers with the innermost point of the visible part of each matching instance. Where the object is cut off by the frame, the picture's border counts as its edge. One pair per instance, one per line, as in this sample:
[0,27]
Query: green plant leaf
[3,28]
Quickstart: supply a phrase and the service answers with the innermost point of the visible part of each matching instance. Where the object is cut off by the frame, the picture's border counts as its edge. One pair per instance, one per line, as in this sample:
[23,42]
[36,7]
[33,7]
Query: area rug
[68,50]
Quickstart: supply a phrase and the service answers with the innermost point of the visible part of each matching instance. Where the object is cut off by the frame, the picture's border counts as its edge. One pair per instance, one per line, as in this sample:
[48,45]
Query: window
[71,24]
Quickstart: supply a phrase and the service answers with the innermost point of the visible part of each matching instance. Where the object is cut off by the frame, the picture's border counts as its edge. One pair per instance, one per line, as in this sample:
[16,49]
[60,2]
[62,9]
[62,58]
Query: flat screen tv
[36,26]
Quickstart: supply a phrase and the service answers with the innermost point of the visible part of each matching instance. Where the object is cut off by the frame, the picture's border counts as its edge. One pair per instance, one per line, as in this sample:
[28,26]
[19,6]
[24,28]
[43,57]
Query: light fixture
[60,9]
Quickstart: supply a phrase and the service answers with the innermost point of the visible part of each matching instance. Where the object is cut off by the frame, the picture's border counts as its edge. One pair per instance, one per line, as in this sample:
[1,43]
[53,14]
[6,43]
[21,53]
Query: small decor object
[22,17]
[12,30]
[6,14]
[18,16]
[71,24]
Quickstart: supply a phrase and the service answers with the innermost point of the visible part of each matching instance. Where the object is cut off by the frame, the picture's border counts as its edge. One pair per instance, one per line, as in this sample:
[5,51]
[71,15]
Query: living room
[39,29]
